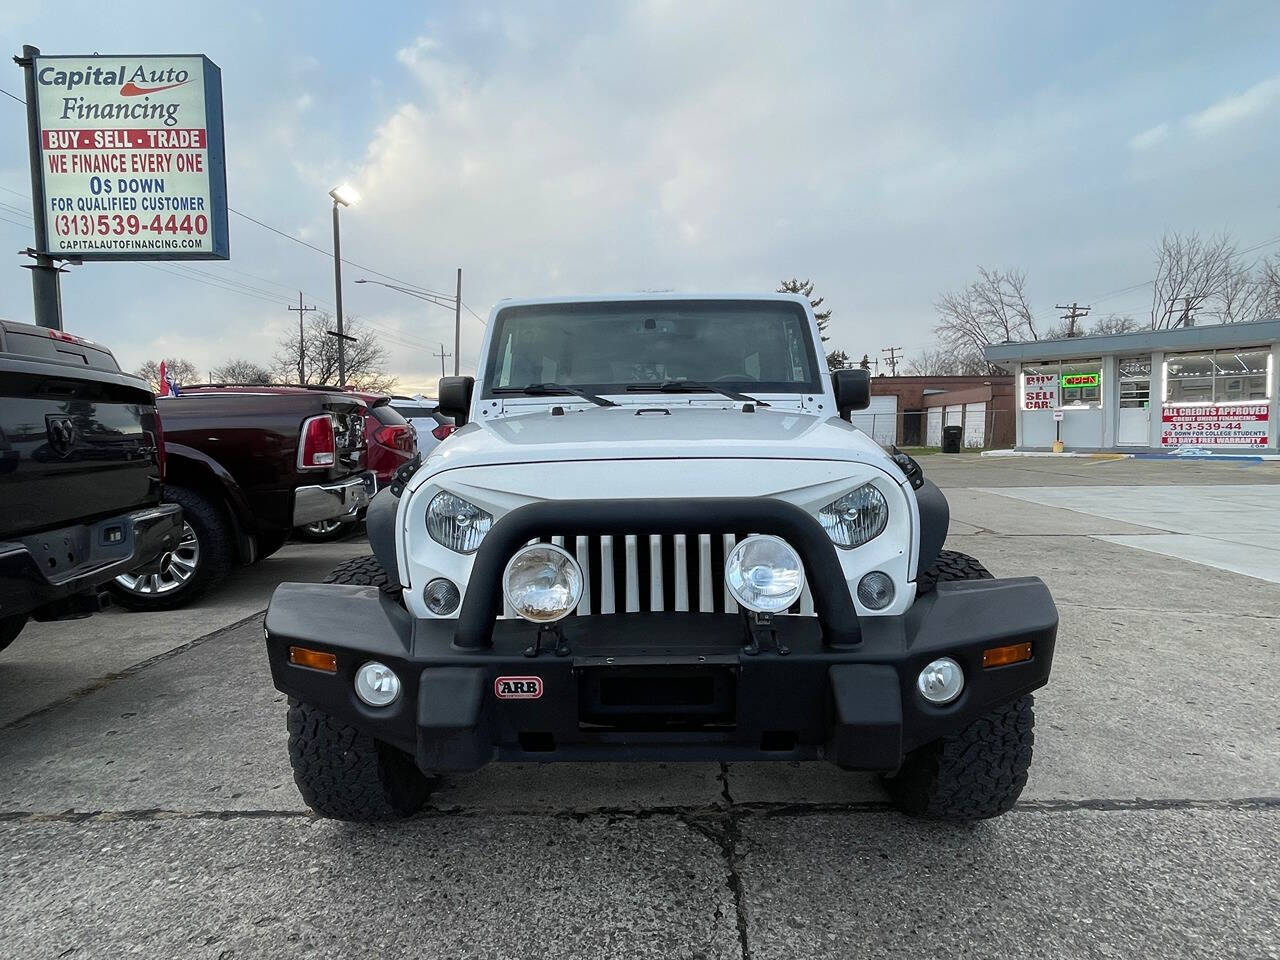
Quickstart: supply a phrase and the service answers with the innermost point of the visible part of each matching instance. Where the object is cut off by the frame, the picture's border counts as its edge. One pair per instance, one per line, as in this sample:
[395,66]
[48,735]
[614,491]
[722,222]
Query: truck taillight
[398,436]
[317,446]
[443,431]
[159,446]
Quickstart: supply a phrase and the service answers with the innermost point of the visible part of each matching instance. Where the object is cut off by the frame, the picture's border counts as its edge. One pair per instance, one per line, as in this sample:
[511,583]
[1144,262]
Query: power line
[12,97]
[1074,313]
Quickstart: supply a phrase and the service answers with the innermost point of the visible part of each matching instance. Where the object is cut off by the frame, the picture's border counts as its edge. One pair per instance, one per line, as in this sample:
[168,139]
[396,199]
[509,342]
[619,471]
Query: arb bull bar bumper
[661,686]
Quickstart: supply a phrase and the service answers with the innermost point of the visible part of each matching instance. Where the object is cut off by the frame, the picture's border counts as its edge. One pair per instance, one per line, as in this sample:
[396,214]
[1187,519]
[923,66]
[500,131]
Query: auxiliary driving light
[875,590]
[377,684]
[542,582]
[941,681]
[764,574]
[441,596]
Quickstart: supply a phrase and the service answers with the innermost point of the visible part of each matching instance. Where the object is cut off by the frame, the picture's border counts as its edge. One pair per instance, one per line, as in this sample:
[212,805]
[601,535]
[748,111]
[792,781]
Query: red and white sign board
[1039,391]
[1214,425]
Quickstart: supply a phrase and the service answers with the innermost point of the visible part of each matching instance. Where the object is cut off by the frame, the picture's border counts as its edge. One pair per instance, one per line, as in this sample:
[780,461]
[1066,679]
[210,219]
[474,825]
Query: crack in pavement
[700,817]
[110,678]
[1168,611]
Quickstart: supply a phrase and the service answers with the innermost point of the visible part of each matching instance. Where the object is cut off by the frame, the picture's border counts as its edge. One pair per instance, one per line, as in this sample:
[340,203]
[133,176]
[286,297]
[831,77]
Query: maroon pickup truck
[248,464]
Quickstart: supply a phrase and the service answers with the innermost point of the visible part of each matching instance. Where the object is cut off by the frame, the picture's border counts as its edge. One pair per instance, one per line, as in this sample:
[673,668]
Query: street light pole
[457,325]
[346,195]
[337,296]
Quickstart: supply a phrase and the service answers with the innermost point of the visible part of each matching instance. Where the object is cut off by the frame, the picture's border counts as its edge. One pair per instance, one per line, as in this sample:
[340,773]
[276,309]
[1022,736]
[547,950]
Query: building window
[1217,376]
[1081,382]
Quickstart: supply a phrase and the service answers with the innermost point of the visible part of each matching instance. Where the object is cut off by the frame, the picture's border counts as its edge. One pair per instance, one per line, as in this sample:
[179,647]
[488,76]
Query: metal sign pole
[46,284]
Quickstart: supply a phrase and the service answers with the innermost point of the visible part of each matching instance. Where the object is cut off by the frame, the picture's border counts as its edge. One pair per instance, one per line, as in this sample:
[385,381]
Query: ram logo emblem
[62,433]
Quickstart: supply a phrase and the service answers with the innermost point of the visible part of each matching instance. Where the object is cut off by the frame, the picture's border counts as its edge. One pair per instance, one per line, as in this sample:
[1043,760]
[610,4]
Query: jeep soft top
[656,536]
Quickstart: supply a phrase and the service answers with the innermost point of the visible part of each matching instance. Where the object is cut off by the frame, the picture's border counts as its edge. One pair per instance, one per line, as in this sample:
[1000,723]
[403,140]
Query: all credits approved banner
[132,157]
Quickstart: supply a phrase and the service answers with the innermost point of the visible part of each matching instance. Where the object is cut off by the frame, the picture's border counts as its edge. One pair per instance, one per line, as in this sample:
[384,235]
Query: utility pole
[442,356]
[46,286]
[893,355]
[457,328]
[1188,304]
[1074,313]
[302,341]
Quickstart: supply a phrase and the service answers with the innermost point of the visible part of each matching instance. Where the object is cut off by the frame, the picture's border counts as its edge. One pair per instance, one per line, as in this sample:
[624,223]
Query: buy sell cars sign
[132,157]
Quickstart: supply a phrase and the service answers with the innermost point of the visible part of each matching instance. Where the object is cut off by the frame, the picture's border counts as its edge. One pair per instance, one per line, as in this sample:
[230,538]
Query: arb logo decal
[517,688]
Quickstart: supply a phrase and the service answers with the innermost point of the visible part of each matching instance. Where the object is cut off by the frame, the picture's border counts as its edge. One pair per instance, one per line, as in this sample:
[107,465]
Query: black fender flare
[935,520]
[380,527]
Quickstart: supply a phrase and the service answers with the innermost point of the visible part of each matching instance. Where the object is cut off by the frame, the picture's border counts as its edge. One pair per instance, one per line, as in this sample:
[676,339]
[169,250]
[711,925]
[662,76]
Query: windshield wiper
[692,386]
[551,389]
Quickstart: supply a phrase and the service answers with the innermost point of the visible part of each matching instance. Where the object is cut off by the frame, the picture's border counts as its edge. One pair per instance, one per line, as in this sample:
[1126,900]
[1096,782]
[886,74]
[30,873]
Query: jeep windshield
[717,346]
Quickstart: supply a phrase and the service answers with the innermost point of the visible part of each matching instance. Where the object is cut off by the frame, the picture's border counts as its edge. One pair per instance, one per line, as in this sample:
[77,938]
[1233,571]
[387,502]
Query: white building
[1157,390]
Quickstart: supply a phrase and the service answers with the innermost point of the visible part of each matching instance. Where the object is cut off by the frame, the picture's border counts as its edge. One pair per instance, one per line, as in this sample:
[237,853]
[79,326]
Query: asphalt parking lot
[147,808]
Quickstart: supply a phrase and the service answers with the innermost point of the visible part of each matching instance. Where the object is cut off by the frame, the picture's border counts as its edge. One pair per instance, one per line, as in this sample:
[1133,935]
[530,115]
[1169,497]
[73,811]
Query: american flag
[168,386]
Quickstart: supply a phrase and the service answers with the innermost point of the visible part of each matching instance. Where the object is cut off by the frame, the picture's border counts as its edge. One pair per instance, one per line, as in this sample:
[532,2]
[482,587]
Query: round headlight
[764,574]
[941,681]
[542,582]
[377,684]
[456,523]
[860,515]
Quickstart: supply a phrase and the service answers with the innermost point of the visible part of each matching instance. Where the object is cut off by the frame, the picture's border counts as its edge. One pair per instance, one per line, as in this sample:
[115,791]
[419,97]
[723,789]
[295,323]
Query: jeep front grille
[626,573]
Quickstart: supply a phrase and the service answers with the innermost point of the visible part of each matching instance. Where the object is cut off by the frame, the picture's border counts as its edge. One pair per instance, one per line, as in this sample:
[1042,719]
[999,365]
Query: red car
[391,443]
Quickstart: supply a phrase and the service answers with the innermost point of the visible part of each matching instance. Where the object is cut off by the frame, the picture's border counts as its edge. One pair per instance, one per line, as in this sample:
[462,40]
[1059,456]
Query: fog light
[542,582]
[941,681]
[764,574]
[377,684]
[875,590]
[441,596]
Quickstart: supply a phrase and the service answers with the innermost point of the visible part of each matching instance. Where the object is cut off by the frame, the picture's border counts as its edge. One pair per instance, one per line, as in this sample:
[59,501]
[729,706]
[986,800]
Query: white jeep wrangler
[656,536]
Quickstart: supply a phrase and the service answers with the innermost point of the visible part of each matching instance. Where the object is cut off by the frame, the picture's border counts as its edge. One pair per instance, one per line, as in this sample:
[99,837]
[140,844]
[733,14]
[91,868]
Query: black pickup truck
[81,465]
[248,464]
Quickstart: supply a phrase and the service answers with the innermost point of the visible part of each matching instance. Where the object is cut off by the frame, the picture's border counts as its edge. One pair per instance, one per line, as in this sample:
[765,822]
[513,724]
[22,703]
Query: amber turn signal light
[315,659]
[1003,656]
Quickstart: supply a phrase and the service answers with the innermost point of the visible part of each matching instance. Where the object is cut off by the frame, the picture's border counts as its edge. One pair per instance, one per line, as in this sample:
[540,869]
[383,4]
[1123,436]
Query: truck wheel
[347,775]
[325,531]
[951,565]
[201,560]
[10,627]
[972,775]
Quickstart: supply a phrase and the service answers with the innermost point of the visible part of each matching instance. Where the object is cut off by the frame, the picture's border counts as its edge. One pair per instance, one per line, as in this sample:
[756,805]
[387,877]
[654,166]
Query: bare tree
[366,358]
[241,371]
[1114,323]
[941,363]
[992,309]
[1267,279]
[181,371]
[1190,273]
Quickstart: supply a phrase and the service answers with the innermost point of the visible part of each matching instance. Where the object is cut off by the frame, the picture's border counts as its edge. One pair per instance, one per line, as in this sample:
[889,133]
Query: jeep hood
[630,432]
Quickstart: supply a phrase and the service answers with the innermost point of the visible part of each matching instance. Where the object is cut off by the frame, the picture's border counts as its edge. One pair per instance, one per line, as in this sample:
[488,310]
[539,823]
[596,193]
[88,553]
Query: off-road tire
[217,554]
[344,774]
[363,572]
[979,772]
[951,565]
[10,627]
[972,775]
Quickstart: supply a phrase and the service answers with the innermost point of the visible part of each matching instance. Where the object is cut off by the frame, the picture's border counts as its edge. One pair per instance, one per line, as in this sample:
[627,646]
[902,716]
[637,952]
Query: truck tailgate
[76,445]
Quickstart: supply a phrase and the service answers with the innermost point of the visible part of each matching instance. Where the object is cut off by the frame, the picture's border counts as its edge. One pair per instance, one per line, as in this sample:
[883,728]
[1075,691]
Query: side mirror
[455,398]
[853,390]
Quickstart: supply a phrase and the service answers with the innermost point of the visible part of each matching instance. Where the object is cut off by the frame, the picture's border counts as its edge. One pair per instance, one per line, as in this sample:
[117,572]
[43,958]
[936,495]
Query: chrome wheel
[322,528]
[176,568]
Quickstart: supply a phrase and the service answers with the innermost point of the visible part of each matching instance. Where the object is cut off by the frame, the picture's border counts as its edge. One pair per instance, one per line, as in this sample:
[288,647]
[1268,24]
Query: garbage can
[951,438]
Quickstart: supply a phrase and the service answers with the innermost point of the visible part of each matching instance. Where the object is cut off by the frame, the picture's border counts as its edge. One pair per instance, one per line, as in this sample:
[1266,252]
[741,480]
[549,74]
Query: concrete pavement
[154,812]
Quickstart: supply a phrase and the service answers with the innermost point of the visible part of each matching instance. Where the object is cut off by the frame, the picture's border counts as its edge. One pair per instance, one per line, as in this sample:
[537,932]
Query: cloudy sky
[882,149]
